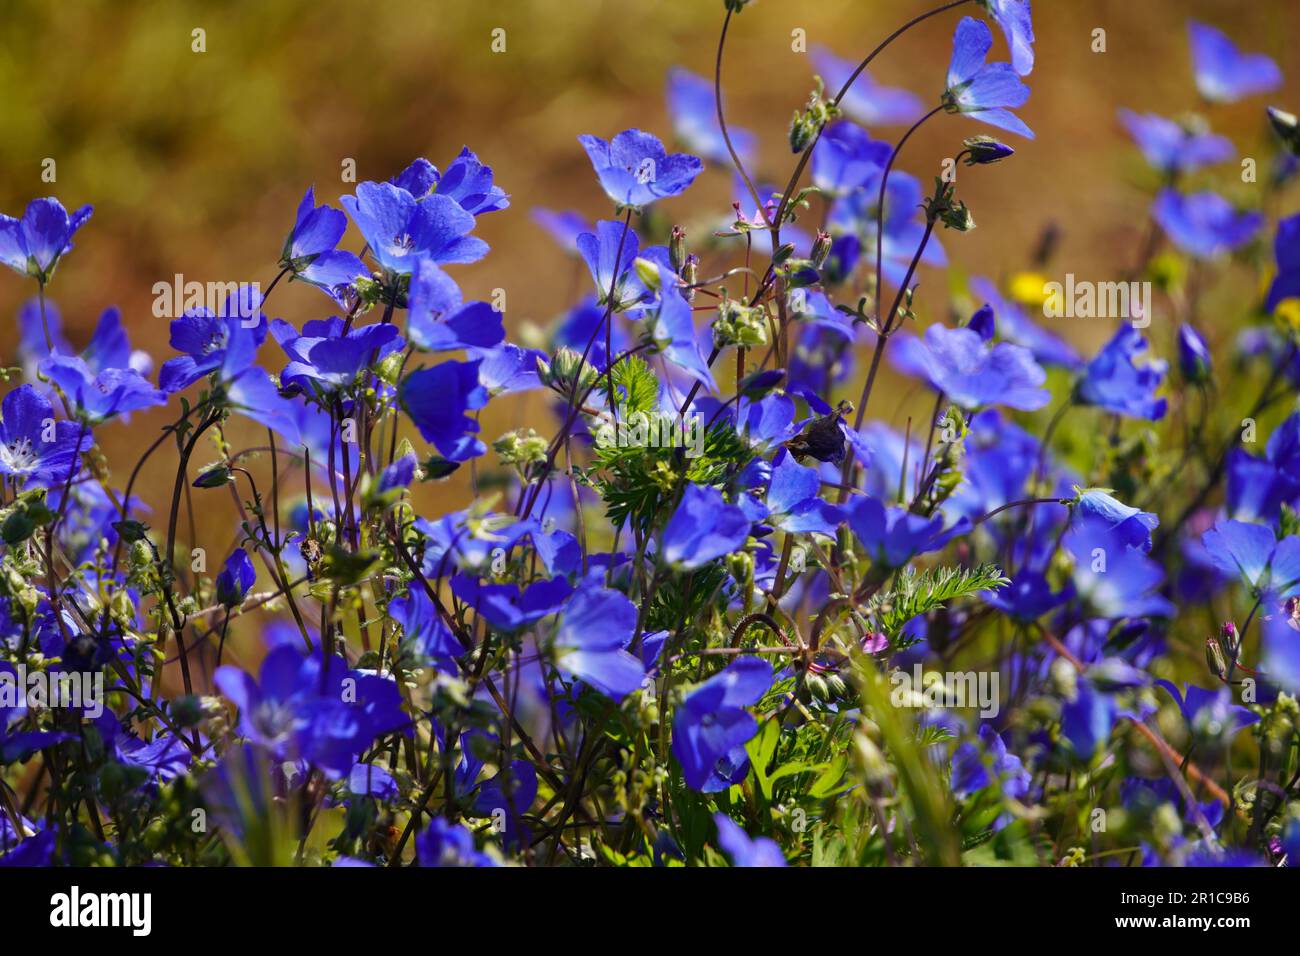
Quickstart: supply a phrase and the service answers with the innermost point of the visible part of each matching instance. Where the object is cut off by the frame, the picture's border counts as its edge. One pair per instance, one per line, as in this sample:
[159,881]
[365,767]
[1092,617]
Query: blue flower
[1254,555]
[236,578]
[447,844]
[225,344]
[1028,597]
[892,535]
[1017,23]
[401,229]
[1280,643]
[634,169]
[508,369]
[1014,325]
[985,91]
[324,359]
[612,268]
[1223,73]
[564,227]
[1257,487]
[424,628]
[34,448]
[1131,525]
[866,101]
[695,119]
[972,372]
[974,768]
[97,397]
[1173,147]
[507,607]
[1116,382]
[438,398]
[1204,224]
[673,329]
[301,711]
[596,625]
[310,254]
[702,528]
[1286,247]
[903,225]
[711,726]
[1194,361]
[33,244]
[847,158]
[793,501]
[1087,720]
[1117,580]
[469,182]
[758,852]
[439,322]
[1210,713]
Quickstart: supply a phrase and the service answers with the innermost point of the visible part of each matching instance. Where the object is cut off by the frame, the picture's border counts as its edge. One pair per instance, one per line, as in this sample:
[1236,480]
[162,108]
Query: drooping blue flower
[702,528]
[438,398]
[1172,147]
[310,251]
[1257,487]
[1204,224]
[695,119]
[1286,247]
[972,372]
[236,578]
[673,330]
[225,344]
[401,230]
[302,711]
[597,623]
[36,450]
[893,535]
[164,757]
[612,268]
[439,322]
[847,158]
[1194,360]
[1114,380]
[983,91]
[1223,73]
[424,628]
[1131,525]
[711,726]
[976,767]
[446,844]
[325,359]
[34,244]
[634,169]
[746,852]
[1017,23]
[1253,554]
[508,369]
[866,101]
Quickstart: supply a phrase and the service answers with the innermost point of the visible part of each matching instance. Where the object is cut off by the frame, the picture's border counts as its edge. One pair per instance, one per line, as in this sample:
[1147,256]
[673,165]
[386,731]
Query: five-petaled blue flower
[34,448]
[1204,224]
[438,398]
[1172,147]
[972,372]
[401,229]
[984,91]
[225,343]
[1115,381]
[310,254]
[1223,73]
[703,528]
[634,169]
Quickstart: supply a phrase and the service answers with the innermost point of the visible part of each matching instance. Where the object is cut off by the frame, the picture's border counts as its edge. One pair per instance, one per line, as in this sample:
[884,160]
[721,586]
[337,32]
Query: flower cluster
[801,636]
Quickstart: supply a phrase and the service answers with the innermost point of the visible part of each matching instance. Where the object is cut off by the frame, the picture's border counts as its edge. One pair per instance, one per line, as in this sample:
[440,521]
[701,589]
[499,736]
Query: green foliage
[918,592]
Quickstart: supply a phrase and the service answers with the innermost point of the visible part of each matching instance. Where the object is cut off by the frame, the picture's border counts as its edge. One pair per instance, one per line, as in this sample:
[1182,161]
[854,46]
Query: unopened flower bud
[821,249]
[677,249]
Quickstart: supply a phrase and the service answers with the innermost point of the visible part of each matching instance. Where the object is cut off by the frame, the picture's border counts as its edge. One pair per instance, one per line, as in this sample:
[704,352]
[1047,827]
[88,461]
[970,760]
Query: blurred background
[195,162]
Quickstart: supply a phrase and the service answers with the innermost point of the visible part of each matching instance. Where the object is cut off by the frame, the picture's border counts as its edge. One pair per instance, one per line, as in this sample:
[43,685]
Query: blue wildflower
[847,158]
[711,726]
[1194,361]
[695,119]
[1223,73]
[310,251]
[596,625]
[401,230]
[793,501]
[438,321]
[634,169]
[1014,325]
[35,449]
[1114,380]
[1172,147]
[746,852]
[1117,580]
[34,244]
[1286,247]
[702,528]
[1131,525]
[224,344]
[984,91]
[446,844]
[236,578]
[972,372]
[1017,23]
[673,330]
[891,535]
[866,101]
[1253,554]
[1204,224]
[438,398]
[469,182]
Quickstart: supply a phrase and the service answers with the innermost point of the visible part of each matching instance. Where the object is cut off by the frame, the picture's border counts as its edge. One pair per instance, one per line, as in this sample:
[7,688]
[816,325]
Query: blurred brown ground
[195,162]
